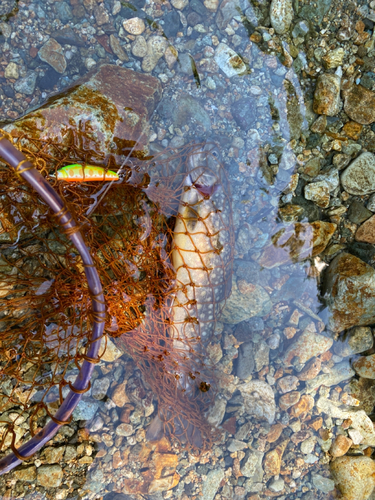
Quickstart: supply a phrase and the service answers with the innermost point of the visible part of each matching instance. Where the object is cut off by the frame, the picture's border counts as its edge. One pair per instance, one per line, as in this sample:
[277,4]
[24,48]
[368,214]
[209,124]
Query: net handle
[25,169]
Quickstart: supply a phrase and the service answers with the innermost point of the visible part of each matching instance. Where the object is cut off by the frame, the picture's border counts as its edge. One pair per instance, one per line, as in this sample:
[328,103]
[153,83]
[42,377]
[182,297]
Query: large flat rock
[110,107]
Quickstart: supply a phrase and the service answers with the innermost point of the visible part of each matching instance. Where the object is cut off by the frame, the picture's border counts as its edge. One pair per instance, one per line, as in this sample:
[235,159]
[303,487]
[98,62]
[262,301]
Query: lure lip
[85,173]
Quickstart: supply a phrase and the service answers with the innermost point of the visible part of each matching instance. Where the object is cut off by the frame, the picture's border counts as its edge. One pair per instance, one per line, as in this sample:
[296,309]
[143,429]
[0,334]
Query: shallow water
[280,325]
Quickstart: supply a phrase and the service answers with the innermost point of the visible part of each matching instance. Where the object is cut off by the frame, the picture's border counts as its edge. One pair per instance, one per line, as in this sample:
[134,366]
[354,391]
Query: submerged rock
[359,104]
[297,242]
[327,95]
[259,400]
[281,14]
[308,345]
[356,340]
[354,476]
[245,301]
[350,293]
[359,177]
[366,232]
[111,107]
[365,366]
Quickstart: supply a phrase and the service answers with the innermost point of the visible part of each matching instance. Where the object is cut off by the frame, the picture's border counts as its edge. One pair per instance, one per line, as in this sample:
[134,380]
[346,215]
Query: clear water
[261,119]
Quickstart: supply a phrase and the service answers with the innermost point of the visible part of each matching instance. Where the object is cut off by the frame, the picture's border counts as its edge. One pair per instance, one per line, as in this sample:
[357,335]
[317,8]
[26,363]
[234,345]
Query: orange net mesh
[44,300]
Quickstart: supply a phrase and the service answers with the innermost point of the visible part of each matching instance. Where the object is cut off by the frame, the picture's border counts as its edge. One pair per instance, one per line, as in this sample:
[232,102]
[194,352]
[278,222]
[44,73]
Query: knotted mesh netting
[45,302]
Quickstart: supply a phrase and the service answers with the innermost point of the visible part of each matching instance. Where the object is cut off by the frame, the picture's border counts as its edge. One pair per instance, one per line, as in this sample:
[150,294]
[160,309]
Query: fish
[202,256]
[86,173]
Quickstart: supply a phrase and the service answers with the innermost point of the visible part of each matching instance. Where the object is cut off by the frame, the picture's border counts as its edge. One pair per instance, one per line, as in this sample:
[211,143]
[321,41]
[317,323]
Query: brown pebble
[352,130]
[316,424]
[272,460]
[289,332]
[274,433]
[119,396]
[289,399]
[304,405]
[287,384]
[230,425]
[340,446]
[310,370]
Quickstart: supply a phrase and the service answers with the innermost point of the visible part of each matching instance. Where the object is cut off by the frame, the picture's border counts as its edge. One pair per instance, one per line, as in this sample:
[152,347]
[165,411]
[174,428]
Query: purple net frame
[25,169]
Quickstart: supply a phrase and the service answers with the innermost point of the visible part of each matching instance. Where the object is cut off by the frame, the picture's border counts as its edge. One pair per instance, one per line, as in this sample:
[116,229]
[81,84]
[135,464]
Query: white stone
[134,26]
[359,177]
[229,61]
[11,71]
[179,4]
[281,14]
[139,47]
[156,47]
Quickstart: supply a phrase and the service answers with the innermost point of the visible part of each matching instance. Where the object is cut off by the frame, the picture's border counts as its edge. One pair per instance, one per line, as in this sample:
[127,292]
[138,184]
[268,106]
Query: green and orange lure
[87,173]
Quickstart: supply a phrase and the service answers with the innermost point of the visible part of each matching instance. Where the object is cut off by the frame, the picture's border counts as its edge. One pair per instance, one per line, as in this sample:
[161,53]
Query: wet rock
[364,391]
[70,453]
[318,192]
[52,53]
[352,130]
[359,104]
[189,111]
[172,23]
[327,95]
[308,445]
[291,213]
[304,405]
[287,384]
[63,12]
[259,400]
[116,101]
[297,242]
[354,476]
[281,14]
[26,85]
[134,26]
[277,485]
[322,483]
[360,421]
[27,474]
[340,446]
[156,47]
[359,177]
[100,387]
[111,352]
[7,7]
[275,432]
[350,293]
[340,161]
[139,47]
[229,61]
[244,112]
[53,455]
[85,410]
[366,232]
[119,396]
[365,366]
[308,345]
[357,212]
[272,460]
[356,340]
[252,466]
[334,58]
[310,370]
[216,412]
[212,483]
[338,373]
[261,355]
[124,430]
[289,399]
[246,363]
[11,71]
[245,301]
[117,48]
[49,79]
[50,476]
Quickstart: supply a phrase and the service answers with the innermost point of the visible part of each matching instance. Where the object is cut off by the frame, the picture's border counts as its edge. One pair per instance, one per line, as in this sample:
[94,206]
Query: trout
[202,256]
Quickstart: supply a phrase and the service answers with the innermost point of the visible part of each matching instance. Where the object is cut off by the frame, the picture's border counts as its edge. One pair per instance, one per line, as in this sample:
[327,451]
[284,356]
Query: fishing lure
[87,173]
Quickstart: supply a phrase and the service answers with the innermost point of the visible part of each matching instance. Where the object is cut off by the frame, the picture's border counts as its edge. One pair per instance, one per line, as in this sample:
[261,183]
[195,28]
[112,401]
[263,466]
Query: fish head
[203,166]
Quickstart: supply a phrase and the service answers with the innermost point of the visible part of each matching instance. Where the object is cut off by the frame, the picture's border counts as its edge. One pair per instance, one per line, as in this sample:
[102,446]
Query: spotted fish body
[87,173]
[202,256]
